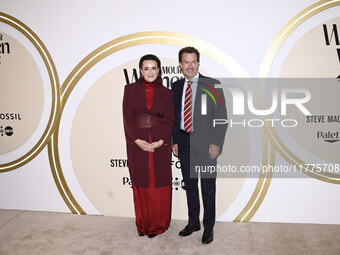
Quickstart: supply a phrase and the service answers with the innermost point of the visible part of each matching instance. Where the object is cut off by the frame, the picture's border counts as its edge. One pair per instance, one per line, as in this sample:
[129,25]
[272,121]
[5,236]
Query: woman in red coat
[148,115]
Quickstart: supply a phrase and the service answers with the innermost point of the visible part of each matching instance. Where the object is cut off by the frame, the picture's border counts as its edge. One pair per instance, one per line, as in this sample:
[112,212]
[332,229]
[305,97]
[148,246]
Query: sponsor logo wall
[74,126]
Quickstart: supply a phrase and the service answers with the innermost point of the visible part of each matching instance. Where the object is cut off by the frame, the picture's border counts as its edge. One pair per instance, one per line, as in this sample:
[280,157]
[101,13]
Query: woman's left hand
[156,145]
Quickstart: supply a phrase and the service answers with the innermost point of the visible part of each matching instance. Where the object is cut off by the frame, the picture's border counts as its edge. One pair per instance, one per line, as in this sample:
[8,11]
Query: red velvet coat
[134,102]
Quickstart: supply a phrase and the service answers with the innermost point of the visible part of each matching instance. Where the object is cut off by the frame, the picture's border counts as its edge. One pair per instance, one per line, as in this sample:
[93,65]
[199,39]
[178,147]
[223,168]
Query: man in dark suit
[196,141]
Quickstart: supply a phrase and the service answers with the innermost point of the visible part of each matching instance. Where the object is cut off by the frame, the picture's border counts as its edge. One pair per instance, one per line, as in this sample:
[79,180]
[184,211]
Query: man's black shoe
[208,236]
[189,229]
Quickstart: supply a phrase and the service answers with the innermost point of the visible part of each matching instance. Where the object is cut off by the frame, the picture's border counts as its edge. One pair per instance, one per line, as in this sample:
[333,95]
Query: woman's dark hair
[188,50]
[154,58]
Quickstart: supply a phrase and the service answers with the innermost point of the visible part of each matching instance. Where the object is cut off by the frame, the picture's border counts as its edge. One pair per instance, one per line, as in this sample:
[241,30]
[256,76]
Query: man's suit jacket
[204,132]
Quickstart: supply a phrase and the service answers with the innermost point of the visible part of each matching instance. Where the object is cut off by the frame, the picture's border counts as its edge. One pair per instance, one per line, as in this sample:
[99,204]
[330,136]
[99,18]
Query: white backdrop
[243,30]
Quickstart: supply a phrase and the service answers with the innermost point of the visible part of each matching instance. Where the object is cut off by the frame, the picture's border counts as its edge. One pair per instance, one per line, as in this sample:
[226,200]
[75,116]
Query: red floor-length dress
[152,205]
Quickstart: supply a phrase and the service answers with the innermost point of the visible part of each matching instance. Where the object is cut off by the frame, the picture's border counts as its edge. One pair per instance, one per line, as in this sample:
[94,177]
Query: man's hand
[175,149]
[214,150]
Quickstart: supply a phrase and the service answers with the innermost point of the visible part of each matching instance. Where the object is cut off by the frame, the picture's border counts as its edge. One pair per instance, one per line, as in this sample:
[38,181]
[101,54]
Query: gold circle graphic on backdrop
[53,77]
[21,92]
[154,37]
[264,72]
